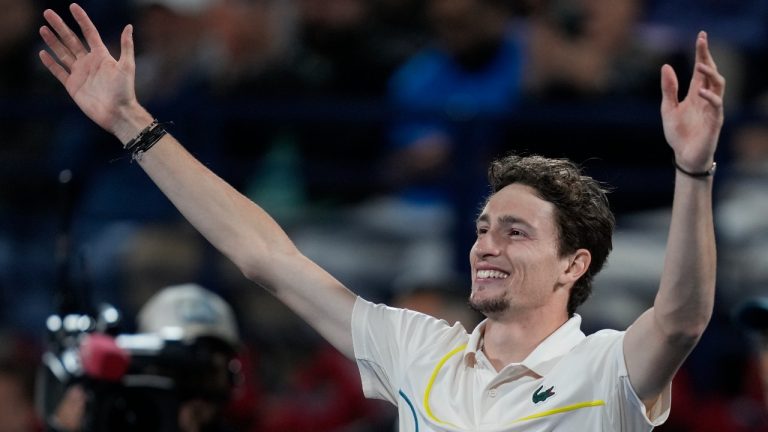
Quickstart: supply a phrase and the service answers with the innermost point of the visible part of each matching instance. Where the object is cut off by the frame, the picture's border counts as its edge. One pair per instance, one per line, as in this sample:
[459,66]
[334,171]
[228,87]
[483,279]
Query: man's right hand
[101,86]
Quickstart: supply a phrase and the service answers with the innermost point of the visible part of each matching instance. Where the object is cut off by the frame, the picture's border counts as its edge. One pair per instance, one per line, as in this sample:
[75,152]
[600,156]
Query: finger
[714,81]
[703,55]
[714,99]
[126,49]
[697,79]
[63,54]
[66,35]
[89,30]
[669,88]
[56,69]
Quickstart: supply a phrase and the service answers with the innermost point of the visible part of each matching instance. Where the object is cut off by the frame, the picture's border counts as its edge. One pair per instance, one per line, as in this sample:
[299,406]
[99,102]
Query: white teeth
[491,274]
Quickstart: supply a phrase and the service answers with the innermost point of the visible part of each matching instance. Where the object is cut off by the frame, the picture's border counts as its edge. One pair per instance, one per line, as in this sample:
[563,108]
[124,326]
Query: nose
[485,246]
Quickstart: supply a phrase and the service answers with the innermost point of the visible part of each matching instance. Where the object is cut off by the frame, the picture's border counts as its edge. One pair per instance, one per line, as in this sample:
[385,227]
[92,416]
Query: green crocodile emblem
[539,396]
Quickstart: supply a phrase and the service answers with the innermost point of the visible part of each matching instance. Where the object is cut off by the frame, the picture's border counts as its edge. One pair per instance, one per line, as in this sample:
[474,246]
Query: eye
[481,230]
[516,233]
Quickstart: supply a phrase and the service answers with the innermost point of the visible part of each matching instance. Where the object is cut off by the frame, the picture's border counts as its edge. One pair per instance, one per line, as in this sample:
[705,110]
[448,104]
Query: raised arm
[659,341]
[103,88]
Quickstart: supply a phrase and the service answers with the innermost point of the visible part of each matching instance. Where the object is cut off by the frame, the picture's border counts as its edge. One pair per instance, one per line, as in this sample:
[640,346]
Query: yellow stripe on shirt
[432,382]
[563,409]
[547,413]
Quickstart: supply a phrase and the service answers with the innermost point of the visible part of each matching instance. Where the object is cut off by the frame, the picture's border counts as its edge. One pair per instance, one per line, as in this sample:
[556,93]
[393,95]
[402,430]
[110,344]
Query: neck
[511,340]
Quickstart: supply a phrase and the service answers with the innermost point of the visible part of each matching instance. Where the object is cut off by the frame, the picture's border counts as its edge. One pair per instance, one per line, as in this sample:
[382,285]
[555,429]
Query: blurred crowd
[364,127]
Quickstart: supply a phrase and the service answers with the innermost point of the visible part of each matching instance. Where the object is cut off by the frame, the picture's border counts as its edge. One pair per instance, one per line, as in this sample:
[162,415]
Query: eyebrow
[504,220]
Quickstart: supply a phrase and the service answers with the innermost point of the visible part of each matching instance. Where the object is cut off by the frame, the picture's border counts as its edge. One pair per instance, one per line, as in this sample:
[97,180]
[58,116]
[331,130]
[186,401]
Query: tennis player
[543,233]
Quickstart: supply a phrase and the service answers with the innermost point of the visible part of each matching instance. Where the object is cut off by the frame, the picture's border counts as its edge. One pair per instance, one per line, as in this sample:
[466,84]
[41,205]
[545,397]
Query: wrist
[131,121]
[697,173]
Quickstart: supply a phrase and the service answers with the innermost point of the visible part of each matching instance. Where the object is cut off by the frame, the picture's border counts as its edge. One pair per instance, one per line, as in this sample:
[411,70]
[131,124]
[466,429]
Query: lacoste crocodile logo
[539,396]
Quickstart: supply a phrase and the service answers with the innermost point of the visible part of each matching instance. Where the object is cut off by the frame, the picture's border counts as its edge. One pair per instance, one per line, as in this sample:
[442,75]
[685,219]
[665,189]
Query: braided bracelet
[144,141]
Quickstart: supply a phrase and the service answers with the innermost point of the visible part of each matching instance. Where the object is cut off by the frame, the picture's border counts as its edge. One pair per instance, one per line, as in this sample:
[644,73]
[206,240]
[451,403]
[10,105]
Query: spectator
[27,223]
[586,49]
[197,356]
[450,100]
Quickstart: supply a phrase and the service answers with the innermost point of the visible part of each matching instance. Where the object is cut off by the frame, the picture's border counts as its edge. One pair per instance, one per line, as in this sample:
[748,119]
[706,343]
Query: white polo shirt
[439,381]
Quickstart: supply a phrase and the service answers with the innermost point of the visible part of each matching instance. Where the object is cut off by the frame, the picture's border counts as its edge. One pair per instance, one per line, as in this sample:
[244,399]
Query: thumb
[669,88]
[126,48]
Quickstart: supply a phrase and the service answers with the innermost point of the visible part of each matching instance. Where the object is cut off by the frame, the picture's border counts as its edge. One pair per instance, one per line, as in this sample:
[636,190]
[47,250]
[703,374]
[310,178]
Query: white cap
[181,7]
[187,312]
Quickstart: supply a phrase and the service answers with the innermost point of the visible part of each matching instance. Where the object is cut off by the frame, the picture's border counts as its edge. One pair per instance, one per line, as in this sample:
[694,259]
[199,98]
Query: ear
[577,264]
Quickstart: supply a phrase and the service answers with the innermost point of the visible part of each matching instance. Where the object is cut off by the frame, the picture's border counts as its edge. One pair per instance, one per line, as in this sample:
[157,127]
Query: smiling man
[543,234]
[541,237]
[545,209]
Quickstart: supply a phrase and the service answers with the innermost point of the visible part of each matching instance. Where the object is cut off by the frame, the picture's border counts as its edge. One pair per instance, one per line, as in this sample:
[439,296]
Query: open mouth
[491,274]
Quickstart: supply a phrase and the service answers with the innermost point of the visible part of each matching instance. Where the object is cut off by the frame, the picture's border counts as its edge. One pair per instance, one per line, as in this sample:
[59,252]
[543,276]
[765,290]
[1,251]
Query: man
[528,366]
[205,324]
[201,341]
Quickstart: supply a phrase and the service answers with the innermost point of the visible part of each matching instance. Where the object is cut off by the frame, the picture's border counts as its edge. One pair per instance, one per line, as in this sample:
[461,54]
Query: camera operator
[201,340]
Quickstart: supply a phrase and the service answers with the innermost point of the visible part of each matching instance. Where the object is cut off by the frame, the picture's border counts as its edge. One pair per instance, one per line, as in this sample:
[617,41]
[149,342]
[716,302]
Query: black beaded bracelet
[708,173]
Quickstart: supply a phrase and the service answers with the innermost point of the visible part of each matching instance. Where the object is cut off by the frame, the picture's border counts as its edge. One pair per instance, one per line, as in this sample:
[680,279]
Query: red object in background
[327,395]
[102,358]
[716,412]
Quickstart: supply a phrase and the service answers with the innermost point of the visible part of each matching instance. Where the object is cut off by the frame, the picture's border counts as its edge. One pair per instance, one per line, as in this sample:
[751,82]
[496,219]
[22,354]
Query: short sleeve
[386,340]
[637,412]
[627,410]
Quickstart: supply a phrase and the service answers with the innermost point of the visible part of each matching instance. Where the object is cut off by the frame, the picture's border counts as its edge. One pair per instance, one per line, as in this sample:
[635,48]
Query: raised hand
[692,126]
[101,86]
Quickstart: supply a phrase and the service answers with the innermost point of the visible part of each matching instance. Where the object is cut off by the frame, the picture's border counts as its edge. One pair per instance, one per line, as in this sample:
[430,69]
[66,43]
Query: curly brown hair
[582,214]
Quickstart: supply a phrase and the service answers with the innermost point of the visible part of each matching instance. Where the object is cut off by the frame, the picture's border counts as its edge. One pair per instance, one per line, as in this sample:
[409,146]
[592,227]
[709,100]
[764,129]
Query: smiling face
[516,265]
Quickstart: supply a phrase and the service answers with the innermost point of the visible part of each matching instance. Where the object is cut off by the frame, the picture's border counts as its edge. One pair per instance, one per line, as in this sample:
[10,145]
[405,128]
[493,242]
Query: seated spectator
[29,193]
[741,208]
[587,49]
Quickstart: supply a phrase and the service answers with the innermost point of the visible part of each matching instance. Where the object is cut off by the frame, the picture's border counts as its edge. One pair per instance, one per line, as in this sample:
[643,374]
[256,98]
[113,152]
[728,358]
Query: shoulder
[404,323]
[603,340]
[599,349]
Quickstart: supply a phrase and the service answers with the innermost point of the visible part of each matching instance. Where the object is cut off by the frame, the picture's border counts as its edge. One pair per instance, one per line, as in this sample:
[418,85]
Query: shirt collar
[545,355]
[470,353]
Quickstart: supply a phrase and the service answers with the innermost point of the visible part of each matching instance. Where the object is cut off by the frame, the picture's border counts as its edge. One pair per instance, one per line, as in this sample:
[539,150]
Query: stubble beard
[490,306]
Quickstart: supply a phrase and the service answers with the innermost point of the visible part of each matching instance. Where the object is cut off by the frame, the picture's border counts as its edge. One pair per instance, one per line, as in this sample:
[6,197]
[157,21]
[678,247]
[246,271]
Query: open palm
[692,126]
[100,85]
